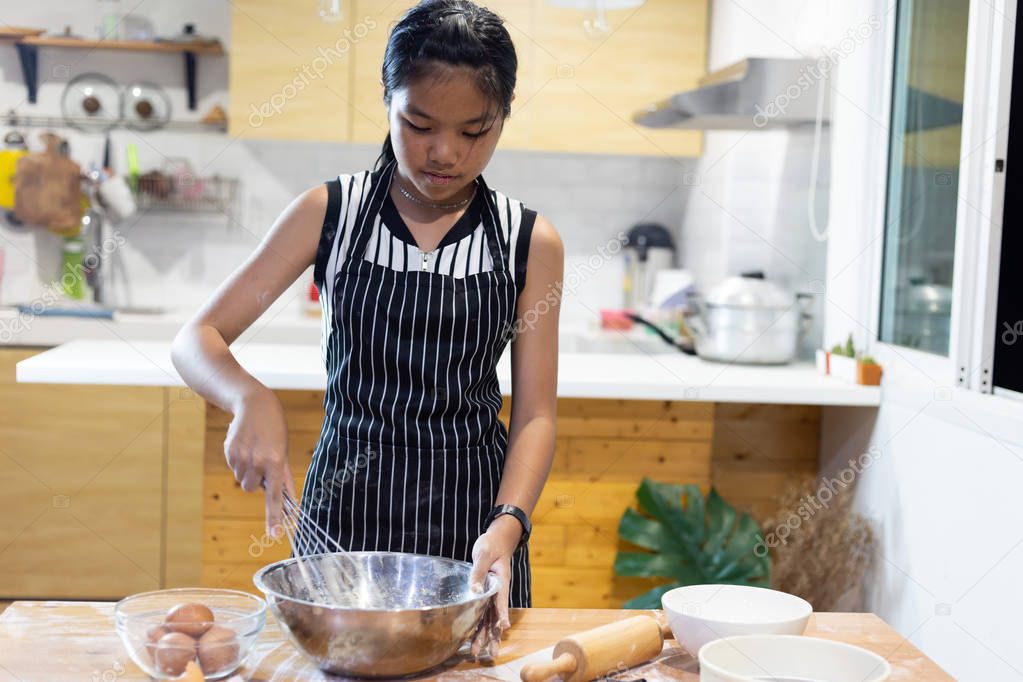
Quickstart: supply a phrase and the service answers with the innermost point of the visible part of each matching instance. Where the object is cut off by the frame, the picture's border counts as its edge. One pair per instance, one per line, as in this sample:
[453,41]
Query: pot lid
[750,290]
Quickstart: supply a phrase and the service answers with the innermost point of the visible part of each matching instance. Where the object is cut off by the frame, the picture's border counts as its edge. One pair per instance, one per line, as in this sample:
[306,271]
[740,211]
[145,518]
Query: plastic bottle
[72,271]
[109,27]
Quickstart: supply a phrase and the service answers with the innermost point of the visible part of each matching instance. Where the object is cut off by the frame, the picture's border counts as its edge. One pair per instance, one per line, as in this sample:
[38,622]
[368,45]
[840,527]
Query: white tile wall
[176,261]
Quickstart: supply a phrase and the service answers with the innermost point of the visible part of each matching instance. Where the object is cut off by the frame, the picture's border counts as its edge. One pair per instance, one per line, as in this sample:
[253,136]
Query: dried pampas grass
[820,549]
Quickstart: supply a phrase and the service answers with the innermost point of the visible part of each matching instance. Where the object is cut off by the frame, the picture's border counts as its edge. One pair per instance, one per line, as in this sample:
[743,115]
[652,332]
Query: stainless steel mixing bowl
[405,614]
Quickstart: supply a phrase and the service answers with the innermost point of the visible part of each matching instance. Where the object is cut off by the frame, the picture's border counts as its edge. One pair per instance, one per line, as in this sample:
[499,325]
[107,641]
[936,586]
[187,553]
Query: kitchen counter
[630,376]
[77,640]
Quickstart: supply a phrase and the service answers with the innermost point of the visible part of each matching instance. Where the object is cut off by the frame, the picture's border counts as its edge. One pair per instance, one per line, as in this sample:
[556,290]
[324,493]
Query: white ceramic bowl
[699,614]
[788,658]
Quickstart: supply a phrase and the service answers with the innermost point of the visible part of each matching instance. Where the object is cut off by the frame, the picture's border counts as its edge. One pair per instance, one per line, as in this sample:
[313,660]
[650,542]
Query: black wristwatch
[511,510]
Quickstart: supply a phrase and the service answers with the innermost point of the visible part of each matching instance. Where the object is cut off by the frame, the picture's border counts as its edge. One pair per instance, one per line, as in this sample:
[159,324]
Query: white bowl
[699,614]
[788,658]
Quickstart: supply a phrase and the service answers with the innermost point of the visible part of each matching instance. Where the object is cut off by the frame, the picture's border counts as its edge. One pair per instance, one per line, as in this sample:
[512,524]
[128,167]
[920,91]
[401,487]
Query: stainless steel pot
[749,320]
[418,612]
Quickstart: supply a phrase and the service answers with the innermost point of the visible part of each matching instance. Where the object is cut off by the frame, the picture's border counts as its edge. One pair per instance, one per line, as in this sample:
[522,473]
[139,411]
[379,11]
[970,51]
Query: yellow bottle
[8,162]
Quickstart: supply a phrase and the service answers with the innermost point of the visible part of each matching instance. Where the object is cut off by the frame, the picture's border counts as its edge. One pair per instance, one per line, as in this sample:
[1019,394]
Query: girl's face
[439,132]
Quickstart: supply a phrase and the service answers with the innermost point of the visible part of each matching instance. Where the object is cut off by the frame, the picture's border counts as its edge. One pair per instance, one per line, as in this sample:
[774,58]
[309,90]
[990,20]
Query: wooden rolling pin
[597,652]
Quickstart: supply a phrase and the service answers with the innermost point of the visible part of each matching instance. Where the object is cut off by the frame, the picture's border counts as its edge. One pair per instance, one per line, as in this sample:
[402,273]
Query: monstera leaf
[691,541]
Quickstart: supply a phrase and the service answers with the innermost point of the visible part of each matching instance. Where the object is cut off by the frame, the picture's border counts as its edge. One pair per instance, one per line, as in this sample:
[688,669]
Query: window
[923,174]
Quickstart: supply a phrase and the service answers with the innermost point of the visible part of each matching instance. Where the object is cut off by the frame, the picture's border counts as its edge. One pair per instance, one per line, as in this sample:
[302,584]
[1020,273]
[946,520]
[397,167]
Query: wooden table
[76,641]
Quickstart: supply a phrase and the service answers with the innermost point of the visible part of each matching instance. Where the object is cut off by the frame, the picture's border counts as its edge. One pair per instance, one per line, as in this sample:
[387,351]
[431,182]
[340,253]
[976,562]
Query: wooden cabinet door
[290,74]
[369,119]
[377,18]
[81,480]
[585,91]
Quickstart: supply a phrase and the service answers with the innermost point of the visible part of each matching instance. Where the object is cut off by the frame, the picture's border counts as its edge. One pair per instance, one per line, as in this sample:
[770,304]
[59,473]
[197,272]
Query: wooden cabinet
[290,72]
[369,117]
[578,94]
[574,93]
[99,488]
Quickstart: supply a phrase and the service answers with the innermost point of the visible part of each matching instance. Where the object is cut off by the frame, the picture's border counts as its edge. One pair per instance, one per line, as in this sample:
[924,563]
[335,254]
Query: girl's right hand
[256,449]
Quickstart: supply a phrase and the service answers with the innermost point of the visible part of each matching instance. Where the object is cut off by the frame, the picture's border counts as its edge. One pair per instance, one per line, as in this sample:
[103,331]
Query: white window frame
[978,239]
[986,133]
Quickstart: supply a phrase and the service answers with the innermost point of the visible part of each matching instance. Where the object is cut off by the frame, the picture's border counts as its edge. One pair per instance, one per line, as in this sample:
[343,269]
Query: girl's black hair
[455,33]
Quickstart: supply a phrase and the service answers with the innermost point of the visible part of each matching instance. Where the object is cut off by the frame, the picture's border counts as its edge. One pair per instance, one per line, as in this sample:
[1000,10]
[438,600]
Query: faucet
[92,224]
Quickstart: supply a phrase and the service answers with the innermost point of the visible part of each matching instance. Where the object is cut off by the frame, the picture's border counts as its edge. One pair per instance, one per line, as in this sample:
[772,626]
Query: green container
[72,270]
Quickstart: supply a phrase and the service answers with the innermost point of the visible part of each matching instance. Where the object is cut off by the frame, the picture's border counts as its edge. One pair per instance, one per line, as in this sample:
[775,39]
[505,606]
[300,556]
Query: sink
[140,310]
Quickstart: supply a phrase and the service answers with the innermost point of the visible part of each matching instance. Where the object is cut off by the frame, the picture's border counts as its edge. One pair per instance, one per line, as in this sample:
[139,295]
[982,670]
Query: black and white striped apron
[411,451]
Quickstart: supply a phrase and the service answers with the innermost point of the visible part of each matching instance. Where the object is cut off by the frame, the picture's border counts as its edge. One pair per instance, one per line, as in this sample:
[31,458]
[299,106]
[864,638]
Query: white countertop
[638,376]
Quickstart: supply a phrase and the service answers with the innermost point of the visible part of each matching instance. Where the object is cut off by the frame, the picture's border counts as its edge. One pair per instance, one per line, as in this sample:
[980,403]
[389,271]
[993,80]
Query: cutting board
[77,641]
[47,188]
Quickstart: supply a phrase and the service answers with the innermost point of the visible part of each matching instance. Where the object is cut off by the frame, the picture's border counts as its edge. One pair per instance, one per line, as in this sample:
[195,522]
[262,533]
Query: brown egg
[218,650]
[191,619]
[153,635]
[173,652]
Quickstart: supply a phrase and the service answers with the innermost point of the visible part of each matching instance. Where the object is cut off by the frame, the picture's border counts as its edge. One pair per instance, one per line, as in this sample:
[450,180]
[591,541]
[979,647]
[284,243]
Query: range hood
[760,93]
[754,94]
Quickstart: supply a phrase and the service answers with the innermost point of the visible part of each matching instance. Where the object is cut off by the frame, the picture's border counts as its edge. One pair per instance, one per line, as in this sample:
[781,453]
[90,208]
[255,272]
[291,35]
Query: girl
[423,278]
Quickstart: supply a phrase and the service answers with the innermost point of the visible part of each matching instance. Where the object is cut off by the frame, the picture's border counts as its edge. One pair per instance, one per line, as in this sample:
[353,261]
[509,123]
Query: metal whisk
[338,580]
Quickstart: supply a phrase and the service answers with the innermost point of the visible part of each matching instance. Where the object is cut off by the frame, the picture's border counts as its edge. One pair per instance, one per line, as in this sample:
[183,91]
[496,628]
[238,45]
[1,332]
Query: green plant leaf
[646,533]
[695,512]
[646,565]
[663,501]
[721,518]
[742,542]
[691,540]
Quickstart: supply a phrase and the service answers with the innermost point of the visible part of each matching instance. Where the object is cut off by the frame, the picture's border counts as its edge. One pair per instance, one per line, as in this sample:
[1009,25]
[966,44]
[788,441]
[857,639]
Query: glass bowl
[220,647]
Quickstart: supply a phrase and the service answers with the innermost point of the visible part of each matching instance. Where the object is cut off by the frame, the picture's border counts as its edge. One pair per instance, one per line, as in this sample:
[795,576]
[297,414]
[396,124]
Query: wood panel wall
[603,449]
[759,449]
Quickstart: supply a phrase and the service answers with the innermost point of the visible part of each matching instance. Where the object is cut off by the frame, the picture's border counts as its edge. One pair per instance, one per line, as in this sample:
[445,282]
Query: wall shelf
[15,120]
[28,55]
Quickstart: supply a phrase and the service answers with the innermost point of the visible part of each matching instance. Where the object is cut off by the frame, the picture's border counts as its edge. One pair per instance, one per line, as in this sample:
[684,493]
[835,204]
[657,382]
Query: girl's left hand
[493,552]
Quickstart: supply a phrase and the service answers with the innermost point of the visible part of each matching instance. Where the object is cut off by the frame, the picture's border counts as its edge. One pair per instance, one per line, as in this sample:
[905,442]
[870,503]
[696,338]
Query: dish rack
[183,191]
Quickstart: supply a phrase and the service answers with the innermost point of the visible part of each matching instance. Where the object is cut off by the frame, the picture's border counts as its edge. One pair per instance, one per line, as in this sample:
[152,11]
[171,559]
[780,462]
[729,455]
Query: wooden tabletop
[76,640]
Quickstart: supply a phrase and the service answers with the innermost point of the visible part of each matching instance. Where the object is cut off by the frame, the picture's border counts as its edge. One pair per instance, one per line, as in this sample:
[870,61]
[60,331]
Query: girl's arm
[534,402]
[256,445]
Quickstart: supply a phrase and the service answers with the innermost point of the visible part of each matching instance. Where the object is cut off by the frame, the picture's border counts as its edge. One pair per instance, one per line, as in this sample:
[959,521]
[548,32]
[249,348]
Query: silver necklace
[447,207]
